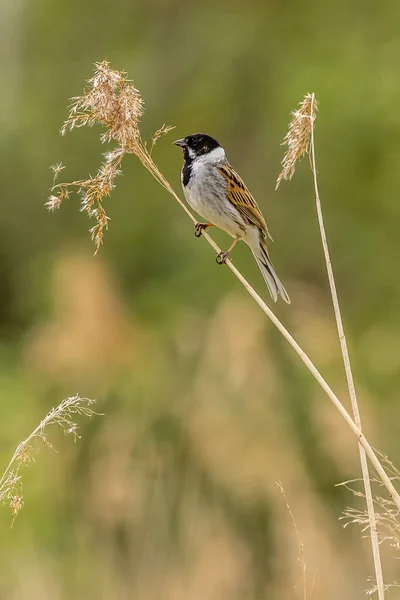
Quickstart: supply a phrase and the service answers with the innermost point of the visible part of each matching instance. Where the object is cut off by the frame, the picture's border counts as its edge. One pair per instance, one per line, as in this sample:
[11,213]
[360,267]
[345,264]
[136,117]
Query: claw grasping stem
[223,256]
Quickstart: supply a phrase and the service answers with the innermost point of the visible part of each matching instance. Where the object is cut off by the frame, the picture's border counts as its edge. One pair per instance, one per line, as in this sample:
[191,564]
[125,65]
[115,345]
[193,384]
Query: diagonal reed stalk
[300,140]
[112,101]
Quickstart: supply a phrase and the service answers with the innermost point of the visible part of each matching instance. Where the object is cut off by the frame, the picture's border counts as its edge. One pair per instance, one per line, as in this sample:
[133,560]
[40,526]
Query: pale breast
[205,192]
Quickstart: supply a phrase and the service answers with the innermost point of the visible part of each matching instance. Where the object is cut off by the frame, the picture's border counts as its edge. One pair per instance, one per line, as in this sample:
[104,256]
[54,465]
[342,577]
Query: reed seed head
[112,101]
[298,136]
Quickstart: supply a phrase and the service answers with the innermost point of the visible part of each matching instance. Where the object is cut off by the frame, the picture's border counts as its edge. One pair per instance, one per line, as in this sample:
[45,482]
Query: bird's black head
[197,144]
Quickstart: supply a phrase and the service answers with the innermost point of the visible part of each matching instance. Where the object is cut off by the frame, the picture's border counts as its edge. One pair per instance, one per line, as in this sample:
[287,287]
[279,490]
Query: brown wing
[240,197]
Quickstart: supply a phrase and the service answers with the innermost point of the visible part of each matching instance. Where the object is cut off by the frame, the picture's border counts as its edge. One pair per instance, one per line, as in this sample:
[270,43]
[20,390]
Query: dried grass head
[112,101]
[298,136]
[63,415]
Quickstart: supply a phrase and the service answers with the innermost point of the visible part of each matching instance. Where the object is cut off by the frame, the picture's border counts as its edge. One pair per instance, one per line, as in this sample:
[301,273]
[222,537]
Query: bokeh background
[172,493]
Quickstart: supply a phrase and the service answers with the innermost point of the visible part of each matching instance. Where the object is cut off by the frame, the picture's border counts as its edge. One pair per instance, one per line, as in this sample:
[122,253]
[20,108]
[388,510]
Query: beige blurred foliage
[90,332]
[237,430]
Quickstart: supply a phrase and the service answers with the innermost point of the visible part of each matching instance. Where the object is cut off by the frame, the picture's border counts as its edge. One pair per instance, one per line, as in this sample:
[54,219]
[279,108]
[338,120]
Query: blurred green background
[171,494]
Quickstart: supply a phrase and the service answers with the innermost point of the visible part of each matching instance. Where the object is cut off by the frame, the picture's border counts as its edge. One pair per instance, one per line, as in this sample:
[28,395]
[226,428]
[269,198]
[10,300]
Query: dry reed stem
[125,130]
[63,415]
[300,140]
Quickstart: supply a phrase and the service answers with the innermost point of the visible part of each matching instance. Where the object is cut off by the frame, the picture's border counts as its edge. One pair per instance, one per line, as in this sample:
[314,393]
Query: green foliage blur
[171,493]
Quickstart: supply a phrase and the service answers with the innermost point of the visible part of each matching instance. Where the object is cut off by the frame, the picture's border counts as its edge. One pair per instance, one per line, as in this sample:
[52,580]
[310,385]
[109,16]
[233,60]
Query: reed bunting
[215,191]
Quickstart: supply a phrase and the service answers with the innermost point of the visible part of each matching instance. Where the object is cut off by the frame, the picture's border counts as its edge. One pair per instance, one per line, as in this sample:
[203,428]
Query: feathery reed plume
[298,136]
[63,415]
[111,100]
[300,140]
[125,130]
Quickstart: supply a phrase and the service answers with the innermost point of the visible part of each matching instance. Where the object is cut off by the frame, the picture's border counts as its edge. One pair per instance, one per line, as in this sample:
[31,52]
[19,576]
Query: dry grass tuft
[112,101]
[386,511]
[298,136]
[387,515]
[63,415]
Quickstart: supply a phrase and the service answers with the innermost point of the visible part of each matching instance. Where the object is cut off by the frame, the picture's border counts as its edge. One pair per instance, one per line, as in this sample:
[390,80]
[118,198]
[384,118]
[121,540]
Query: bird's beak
[180,143]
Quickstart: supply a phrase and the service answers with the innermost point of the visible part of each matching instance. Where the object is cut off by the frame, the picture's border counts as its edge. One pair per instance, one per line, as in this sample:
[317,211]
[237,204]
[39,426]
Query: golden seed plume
[112,101]
[297,138]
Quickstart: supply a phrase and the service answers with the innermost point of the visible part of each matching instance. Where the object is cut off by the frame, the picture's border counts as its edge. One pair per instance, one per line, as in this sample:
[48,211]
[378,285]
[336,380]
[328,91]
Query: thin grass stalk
[347,367]
[301,558]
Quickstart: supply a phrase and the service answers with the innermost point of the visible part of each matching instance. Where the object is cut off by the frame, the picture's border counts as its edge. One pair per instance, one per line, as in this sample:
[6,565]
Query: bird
[216,192]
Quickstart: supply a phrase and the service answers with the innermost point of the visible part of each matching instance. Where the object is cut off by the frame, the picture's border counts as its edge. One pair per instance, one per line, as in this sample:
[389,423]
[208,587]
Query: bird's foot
[200,227]
[222,257]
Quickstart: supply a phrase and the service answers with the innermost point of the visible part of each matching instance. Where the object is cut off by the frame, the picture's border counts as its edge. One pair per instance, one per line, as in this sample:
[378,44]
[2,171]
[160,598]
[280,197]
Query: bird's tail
[268,272]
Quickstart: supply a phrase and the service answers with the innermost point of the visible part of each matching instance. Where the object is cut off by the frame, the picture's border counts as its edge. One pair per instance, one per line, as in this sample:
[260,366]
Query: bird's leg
[223,256]
[200,227]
